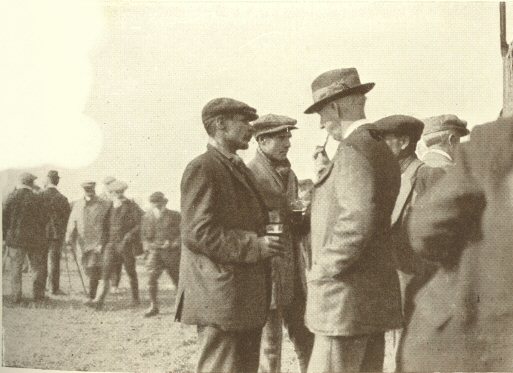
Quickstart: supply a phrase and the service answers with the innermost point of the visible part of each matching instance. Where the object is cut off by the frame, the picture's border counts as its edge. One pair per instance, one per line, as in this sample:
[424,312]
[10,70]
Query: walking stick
[79,271]
[67,269]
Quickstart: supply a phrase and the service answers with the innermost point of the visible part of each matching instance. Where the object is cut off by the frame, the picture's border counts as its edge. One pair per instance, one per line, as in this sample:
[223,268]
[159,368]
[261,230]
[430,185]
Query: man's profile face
[330,121]
[237,132]
[276,146]
[158,205]
[89,192]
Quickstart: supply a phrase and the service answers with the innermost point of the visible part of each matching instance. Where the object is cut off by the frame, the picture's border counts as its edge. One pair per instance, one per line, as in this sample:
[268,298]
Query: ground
[63,334]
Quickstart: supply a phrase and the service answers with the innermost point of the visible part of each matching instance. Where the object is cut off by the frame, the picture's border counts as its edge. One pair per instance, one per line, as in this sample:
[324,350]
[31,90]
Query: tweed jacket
[88,223]
[435,159]
[158,230]
[353,287]
[278,195]
[462,319]
[57,208]
[223,281]
[23,220]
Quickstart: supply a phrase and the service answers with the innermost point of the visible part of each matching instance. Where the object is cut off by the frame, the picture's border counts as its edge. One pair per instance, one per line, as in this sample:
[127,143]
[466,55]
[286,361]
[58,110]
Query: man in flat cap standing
[441,136]
[278,186]
[57,208]
[353,287]
[87,229]
[224,285]
[23,223]
[124,223]
[160,233]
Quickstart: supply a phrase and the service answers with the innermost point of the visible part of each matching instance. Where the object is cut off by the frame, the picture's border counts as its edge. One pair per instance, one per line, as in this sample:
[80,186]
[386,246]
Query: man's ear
[452,139]
[219,123]
[405,142]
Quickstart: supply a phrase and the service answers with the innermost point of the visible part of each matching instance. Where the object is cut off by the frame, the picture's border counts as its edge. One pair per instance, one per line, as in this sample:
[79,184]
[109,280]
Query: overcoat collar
[407,186]
[266,165]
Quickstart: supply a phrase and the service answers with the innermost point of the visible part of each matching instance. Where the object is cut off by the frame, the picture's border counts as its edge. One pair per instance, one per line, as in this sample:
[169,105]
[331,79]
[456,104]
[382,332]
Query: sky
[116,87]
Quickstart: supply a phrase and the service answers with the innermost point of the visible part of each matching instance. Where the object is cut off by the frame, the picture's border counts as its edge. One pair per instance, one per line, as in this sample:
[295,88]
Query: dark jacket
[124,230]
[353,288]
[57,208]
[223,280]
[462,319]
[24,220]
[155,231]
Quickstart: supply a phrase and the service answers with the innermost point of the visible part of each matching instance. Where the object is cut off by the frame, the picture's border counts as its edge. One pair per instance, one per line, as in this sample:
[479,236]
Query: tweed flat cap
[443,123]
[53,174]
[158,197]
[401,125]
[224,105]
[117,186]
[273,123]
[88,185]
[335,84]
[27,178]
[108,179]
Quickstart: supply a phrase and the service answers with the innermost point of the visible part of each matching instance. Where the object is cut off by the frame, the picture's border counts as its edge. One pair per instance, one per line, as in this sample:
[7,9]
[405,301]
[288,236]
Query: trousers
[54,263]
[228,351]
[363,353]
[158,261]
[38,263]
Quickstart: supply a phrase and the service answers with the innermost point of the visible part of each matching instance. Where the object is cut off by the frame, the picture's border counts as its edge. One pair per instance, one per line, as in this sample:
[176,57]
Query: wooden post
[507,64]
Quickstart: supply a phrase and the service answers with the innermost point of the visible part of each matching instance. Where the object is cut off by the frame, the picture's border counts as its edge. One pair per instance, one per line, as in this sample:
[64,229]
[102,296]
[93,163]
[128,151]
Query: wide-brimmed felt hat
[401,125]
[26,178]
[225,105]
[273,123]
[335,84]
[443,123]
[158,197]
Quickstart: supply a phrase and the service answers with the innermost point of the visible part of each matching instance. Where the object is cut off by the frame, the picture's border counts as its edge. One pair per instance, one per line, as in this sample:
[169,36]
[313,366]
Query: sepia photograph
[257,186]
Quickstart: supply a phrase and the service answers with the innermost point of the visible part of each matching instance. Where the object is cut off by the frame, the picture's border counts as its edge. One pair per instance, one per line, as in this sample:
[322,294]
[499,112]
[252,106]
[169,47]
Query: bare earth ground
[63,334]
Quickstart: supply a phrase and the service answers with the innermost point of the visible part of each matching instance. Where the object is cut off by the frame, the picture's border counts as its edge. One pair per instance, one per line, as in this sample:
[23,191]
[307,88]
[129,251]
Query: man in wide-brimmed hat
[278,185]
[224,286]
[441,136]
[353,287]
[160,234]
[23,227]
[57,208]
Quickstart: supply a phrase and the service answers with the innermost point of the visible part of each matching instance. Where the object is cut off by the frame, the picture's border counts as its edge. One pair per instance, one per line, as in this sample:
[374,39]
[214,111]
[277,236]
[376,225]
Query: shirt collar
[441,152]
[23,186]
[353,126]
[231,156]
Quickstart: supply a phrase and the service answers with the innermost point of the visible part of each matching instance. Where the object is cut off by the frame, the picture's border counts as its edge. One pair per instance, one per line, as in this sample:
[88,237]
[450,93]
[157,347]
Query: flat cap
[53,174]
[117,186]
[109,179]
[401,125]
[273,123]
[158,197]
[88,184]
[224,105]
[443,123]
[27,178]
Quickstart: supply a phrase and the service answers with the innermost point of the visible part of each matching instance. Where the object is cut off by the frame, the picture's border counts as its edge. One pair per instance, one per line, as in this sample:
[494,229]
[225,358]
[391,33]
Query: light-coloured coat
[353,288]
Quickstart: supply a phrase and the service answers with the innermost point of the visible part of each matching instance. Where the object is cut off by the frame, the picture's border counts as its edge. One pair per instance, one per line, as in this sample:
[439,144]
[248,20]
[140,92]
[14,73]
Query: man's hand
[321,159]
[166,245]
[270,246]
[98,249]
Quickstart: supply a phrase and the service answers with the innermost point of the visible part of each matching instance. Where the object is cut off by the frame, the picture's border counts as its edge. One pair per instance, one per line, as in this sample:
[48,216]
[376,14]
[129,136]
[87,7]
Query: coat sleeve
[449,215]
[71,230]
[6,214]
[355,225]
[202,231]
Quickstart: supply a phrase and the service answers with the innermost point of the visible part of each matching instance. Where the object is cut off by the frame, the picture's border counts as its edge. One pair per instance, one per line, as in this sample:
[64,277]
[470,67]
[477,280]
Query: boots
[154,308]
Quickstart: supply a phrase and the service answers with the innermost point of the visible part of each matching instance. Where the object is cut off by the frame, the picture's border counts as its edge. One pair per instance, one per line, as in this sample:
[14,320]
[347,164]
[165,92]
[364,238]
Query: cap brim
[275,130]
[363,89]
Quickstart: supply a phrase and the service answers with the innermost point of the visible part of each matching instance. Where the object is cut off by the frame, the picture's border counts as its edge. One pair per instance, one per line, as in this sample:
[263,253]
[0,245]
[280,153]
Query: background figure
[115,276]
[277,184]
[224,285]
[160,234]
[124,241]
[462,319]
[23,226]
[57,207]
[441,136]
[87,229]
[353,290]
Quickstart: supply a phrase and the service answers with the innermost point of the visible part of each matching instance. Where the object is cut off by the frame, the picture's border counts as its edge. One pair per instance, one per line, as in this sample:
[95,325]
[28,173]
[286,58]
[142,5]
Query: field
[63,334]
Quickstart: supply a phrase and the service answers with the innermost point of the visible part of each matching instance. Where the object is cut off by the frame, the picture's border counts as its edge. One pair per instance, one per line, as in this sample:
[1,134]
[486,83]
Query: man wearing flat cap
[278,185]
[353,288]
[160,233]
[123,244]
[87,229]
[57,208]
[23,228]
[224,285]
[441,136]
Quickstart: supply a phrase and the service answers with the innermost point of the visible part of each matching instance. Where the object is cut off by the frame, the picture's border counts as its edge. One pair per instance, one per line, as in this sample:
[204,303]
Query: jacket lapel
[266,167]
[407,184]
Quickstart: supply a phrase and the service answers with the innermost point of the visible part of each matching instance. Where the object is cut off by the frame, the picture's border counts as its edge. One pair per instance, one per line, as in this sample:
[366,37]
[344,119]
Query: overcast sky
[117,88]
